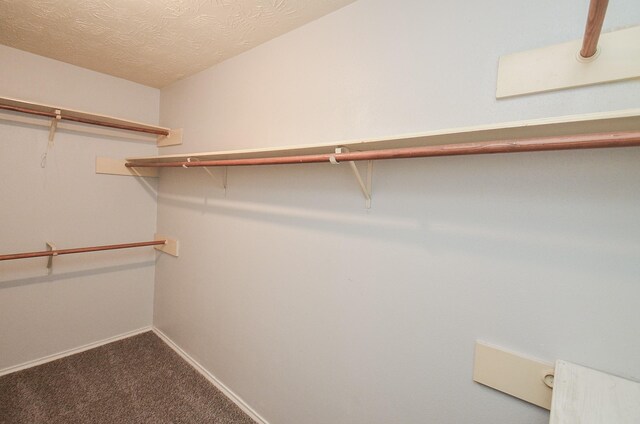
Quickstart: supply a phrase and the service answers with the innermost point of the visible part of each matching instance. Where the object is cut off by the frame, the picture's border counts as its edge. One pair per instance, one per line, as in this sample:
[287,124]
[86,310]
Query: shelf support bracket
[365,186]
[224,178]
[224,172]
[53,127]
[50,246]
[52,132]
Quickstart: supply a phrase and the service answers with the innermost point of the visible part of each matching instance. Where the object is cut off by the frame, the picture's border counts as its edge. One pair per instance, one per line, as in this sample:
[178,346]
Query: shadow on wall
[560,209]
[16,282]
[60,131]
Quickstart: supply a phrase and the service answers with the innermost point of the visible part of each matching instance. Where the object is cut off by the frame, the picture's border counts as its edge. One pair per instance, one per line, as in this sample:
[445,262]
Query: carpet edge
[73,351]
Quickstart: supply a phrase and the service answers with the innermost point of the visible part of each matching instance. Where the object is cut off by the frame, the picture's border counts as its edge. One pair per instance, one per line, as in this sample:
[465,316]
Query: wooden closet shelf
[590,131]
[595,123]
[75,120]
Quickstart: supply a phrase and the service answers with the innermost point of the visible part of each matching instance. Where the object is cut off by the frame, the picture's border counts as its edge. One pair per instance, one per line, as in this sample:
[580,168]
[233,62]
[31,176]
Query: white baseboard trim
[224,389]
[73,351]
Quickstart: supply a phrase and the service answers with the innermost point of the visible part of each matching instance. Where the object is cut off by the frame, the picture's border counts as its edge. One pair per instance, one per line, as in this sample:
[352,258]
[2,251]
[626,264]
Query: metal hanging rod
[597,11]
[569,142]
[80,250]
[85,120]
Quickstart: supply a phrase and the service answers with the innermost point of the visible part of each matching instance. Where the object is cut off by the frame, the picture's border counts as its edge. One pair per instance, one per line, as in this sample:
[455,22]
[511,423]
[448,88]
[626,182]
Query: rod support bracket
[365,185]
[51,246]
[54,125]
[224,172]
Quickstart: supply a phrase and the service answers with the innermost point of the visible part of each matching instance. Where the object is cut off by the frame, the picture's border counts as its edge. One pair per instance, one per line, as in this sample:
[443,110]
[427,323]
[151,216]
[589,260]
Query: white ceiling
[153,42]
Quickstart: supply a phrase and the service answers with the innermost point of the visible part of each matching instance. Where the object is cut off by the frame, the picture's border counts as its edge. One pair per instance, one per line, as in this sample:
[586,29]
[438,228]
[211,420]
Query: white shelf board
[77,113]
[624,120]
[174,137]
[585,396]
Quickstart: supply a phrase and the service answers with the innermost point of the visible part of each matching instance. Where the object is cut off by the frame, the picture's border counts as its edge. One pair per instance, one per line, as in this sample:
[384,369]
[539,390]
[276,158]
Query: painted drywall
[88,297]
[313,309]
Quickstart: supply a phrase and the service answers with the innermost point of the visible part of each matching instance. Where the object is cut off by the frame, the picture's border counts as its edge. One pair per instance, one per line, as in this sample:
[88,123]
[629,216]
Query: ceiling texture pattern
[152,42]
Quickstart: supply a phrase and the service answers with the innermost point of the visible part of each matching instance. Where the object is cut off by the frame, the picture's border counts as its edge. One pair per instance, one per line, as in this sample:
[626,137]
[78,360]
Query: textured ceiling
[153,42]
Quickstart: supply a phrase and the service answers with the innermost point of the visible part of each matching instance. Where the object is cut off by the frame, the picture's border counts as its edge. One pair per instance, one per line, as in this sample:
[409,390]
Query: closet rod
[85,120]
[79,250]
[597,10]
[568,142]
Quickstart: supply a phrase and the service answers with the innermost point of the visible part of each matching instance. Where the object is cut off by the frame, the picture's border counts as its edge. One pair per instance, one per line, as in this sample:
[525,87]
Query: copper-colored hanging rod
[597,10]
[80,250]
[86,120]
[568,142]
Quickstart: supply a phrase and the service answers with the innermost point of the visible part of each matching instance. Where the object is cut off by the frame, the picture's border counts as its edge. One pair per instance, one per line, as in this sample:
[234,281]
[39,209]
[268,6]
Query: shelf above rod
[85,120]
[567,142]
[58,252]
[31,108]
[78,121]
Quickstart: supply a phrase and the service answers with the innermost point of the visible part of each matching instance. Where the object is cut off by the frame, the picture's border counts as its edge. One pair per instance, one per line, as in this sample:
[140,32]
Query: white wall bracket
[50,246]
[54,126]
[365,185]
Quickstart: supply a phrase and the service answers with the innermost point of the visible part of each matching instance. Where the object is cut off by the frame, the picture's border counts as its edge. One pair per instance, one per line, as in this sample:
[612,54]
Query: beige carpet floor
[135,380]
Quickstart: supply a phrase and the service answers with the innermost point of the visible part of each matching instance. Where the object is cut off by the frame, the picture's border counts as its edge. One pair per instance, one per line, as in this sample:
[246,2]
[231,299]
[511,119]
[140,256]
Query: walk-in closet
[319,211]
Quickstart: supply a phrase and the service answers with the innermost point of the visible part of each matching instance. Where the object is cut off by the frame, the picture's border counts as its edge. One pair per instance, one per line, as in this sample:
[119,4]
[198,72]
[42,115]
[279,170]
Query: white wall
[88,297]
[315,310]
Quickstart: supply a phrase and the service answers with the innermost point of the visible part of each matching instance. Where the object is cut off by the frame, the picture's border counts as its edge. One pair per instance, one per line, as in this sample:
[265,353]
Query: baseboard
[73,351]
[210,377]
[224,389]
